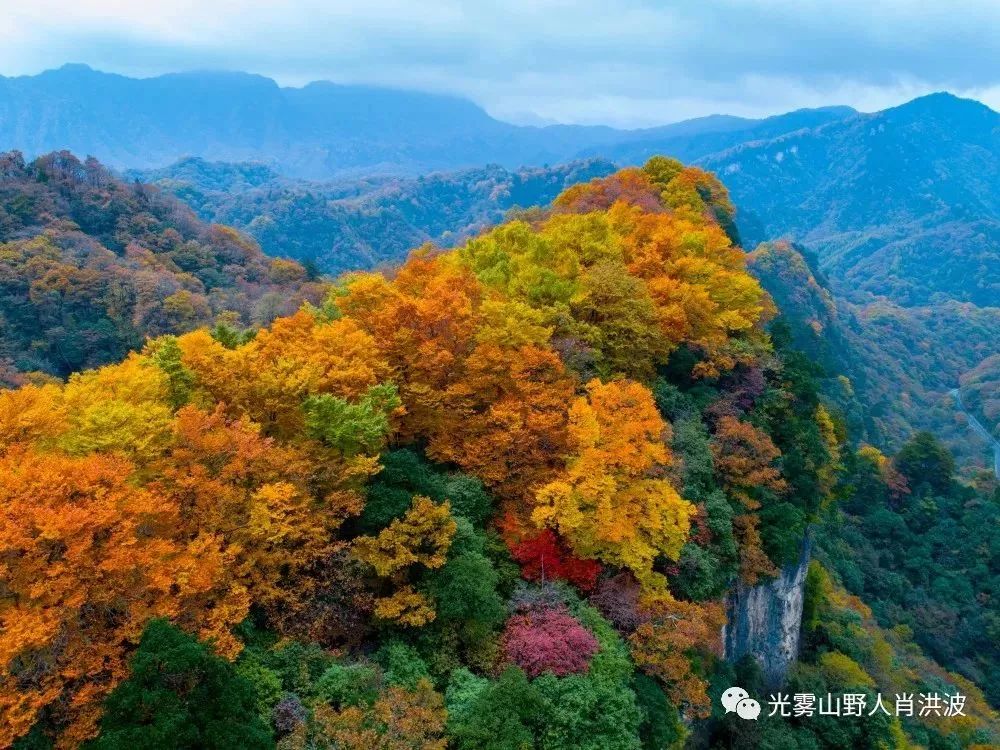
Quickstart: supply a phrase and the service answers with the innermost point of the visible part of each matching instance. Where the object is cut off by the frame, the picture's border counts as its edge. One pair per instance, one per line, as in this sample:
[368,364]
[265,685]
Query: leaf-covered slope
[354,224]
[497,492]
[525,359]
[90,266]
[900,361]
[903,203]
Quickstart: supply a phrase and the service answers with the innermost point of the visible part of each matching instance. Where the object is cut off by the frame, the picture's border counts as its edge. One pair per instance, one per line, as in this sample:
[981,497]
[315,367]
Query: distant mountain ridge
[903,203]
[320,130]
[347,224]
[693,139]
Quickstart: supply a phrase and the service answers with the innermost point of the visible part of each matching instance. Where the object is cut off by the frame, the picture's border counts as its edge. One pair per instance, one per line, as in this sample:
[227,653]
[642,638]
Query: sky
[627,63]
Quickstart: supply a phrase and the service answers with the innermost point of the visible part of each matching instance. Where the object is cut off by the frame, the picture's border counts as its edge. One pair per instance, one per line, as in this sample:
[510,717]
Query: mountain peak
[75,68]
[229,78]
[71,71]
[942,104]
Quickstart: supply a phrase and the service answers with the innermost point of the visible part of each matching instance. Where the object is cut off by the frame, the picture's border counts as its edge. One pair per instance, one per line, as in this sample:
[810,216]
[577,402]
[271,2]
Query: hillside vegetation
[353,224]
[980,389]
[90,266]
[889,368]
[491,499]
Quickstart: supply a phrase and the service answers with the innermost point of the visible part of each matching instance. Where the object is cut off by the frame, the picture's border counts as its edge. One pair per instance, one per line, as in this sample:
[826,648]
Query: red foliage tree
[544,557]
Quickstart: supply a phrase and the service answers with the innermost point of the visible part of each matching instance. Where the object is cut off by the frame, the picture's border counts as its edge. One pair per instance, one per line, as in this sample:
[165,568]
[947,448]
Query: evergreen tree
[179,695]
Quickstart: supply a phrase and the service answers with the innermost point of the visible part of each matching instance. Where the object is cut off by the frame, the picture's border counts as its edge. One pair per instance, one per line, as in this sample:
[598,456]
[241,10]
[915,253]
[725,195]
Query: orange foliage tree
[423,321]
[608,503]
[505,419]
[134,511]
[399,719]
[744,458]
[270,509]
[268,378]
[86,559]
[671,634]
[496,410]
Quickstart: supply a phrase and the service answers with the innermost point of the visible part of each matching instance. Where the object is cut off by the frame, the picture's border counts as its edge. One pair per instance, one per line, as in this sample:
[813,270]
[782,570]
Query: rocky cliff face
[765,620]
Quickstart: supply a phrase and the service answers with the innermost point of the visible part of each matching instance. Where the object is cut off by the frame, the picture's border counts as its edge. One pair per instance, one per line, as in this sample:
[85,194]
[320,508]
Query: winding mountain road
[980,430]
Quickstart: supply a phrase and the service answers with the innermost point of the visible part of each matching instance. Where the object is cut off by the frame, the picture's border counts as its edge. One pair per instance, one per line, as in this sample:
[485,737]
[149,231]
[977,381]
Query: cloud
[628,62]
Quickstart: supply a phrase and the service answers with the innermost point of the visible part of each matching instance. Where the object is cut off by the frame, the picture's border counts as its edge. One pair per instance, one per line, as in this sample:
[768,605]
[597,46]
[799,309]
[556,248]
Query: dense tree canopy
[90,266]
[492,498]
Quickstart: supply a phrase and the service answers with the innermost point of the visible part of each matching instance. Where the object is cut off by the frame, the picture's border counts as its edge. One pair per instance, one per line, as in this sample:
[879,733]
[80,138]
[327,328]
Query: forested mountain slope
[90,266]
[901,209]
[493,498]
[903,203]
[900,363]
[899,204]
[355,224]
[980,388]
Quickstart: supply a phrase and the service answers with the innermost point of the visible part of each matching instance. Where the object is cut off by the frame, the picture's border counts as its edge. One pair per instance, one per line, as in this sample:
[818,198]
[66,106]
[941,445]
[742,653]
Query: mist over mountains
[321,130]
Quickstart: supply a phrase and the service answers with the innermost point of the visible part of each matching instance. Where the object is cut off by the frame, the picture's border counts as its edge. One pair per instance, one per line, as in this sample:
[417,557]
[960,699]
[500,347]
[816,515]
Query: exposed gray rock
[766,620]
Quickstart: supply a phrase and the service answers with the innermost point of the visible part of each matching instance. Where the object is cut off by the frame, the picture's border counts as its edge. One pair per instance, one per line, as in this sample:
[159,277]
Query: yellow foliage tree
[421,537]
[609,504]
[31,414]
[405,607]
[268,378]
[122,407]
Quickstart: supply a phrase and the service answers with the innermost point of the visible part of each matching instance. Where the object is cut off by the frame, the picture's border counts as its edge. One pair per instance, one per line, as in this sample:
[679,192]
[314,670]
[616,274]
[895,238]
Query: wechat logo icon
[737,699]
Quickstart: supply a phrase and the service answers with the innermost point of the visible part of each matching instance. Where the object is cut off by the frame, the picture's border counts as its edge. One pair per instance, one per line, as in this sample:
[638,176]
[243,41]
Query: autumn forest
[494,498]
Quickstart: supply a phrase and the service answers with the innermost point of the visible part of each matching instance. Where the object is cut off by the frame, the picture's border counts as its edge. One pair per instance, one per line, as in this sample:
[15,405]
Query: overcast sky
[623,62]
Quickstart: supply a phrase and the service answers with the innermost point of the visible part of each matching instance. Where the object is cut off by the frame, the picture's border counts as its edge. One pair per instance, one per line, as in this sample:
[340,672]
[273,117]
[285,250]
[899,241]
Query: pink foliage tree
[548,640]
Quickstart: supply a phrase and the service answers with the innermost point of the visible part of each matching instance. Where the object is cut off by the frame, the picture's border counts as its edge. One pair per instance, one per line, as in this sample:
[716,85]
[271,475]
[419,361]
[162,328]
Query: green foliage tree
[661,725]
[180,695]
[352,428]
[406,473]
[923,460]
[503,714]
